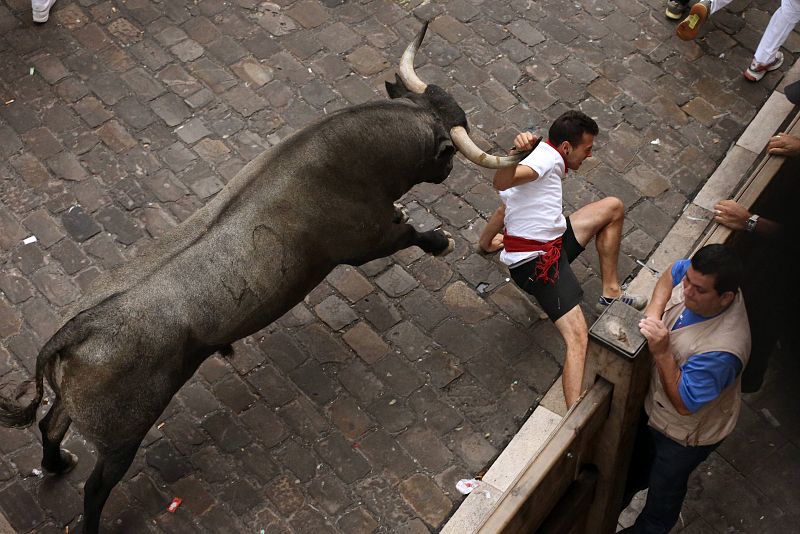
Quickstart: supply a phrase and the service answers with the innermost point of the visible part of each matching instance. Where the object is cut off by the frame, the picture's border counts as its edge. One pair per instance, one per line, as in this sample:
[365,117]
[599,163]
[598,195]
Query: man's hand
[657,335]
[525,141]
[508,177]
[495,245]
[731,214]
[784,144]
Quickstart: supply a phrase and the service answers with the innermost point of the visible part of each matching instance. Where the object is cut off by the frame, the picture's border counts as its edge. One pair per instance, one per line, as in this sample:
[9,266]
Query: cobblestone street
[359,410]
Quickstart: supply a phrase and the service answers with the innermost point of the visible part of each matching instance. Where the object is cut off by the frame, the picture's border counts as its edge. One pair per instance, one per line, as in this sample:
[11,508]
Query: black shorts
[559,297]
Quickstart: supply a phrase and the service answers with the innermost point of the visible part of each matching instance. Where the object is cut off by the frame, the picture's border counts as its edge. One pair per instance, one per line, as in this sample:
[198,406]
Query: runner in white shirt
[539,243]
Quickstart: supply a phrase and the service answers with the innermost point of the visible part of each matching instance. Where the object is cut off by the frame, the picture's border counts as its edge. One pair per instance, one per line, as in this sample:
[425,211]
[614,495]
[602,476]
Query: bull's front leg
[436,242]
[402,235]
[399,235]
[400,214]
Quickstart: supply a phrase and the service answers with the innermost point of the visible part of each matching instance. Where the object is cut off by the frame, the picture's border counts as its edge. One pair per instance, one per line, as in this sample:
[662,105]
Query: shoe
[675,9]
[756,71]
[690,26]
[41,9]
[637,301]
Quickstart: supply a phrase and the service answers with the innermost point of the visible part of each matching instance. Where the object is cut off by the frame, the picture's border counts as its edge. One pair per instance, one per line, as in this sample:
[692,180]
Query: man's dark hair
[571,126]
[723,263]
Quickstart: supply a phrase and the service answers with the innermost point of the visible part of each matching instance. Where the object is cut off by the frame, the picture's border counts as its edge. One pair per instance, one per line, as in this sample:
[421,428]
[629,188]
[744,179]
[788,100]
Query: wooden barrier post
[617,353]
[540,486]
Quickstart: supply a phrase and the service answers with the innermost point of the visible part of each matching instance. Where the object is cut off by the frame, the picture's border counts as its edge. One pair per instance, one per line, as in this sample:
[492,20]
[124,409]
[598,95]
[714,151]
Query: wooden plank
[613,445]
[569,515]
[542,483]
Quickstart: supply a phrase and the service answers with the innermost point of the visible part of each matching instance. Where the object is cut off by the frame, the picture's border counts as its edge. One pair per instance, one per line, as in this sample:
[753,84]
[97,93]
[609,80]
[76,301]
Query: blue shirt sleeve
[705,375]
[679,269]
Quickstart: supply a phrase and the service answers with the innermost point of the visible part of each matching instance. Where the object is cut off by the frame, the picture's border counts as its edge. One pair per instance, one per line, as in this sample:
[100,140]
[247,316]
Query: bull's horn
[407,74]
[467,146]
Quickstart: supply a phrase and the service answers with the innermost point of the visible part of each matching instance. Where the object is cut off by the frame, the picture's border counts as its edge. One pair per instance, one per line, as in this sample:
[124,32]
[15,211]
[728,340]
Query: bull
[322,197]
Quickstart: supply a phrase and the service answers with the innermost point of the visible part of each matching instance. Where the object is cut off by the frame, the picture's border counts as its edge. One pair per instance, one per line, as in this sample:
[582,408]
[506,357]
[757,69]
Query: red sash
[552,252]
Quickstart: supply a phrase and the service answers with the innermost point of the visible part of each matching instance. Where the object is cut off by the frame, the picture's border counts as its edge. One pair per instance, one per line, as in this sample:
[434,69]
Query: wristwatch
[750,225]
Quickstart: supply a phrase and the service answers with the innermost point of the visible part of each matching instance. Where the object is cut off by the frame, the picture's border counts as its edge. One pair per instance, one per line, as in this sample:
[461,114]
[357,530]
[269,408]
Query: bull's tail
[16,415]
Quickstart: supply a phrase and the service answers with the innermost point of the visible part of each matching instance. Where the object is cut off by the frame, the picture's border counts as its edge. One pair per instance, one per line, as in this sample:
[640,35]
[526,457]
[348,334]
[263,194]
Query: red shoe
[690,26]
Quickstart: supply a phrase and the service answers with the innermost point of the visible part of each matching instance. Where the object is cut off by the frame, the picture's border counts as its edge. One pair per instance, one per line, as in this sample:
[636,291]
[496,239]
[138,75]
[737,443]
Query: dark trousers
[663,466]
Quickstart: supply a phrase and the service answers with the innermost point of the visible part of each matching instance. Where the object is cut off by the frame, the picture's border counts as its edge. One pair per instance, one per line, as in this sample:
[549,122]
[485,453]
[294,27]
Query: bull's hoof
[67,464]
[400,214]
[451,244]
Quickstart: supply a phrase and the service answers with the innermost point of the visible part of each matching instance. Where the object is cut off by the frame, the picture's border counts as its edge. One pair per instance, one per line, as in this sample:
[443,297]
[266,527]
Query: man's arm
[670,375]
[668,371]
[657,335]
[491,239]
[508,177]
[733,215]
[661,295]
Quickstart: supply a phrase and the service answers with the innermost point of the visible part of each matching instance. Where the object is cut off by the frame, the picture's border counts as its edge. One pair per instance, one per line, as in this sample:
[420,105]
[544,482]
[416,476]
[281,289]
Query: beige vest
[729,332]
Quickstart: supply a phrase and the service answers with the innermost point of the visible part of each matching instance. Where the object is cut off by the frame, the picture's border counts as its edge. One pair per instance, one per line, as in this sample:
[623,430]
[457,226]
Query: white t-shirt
[534,210]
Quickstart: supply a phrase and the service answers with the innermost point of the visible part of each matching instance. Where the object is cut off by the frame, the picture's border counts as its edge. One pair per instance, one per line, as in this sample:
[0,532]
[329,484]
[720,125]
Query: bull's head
[409,84]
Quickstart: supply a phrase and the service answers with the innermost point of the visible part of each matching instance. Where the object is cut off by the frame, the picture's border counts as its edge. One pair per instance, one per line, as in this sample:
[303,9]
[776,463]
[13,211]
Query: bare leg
[54,426]
[602,219]
[572,326]
[108,471]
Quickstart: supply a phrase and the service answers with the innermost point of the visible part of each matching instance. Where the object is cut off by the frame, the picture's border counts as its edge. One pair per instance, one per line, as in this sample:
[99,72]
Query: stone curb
[693,224]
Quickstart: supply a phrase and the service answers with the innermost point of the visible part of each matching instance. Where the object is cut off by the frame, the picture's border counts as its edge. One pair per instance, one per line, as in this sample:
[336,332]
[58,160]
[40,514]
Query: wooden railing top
[752,188]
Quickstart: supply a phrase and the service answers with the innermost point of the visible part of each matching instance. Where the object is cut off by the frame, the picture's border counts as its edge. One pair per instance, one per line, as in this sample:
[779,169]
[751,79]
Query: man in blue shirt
[703,376]
[698,335]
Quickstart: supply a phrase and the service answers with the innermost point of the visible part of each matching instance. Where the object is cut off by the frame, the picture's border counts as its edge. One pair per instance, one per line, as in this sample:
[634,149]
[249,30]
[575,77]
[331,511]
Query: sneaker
[690,26]
[756,71]
[41,9]
[675,9]
[637,301]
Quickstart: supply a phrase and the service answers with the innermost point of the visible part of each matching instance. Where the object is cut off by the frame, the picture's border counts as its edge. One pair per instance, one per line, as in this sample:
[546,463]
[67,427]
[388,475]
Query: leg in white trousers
[716,5]
[780,26]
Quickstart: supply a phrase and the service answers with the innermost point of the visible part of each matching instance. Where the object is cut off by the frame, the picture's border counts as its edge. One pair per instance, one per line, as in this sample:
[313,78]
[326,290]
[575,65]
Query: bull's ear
[396,89]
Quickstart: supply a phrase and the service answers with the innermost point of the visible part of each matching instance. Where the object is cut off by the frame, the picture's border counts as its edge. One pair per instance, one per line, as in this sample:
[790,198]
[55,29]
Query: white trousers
[716,5]
[780,26]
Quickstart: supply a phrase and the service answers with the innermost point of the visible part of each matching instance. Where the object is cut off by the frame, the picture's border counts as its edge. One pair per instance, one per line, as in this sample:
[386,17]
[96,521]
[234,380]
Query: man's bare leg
[602,219]
[572,326]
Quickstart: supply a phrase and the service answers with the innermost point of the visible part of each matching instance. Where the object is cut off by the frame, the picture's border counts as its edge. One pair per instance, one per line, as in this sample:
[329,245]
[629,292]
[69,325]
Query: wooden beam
[627,367]
[537,489]
[614,443]
[569,515]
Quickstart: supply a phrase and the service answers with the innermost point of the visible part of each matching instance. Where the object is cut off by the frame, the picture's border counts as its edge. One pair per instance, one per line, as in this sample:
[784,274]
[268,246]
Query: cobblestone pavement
[359,410]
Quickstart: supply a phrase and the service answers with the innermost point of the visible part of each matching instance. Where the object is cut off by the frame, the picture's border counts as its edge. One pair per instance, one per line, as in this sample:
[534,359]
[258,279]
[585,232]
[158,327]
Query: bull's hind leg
[108,471]
[54,425]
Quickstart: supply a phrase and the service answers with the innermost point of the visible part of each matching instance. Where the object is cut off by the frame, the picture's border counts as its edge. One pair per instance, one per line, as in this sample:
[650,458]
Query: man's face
[574,155]
[700,296]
